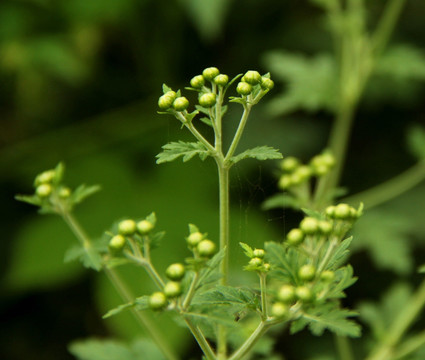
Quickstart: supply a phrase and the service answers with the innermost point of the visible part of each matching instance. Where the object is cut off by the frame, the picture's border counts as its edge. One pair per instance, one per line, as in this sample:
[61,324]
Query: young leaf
[118,309]
[339,255]
[82,192]
[210,273]
[187,150]
[280,258]
[88,255]
[281,201]
[247,249]
[259,153]
[344,279]
[30,199]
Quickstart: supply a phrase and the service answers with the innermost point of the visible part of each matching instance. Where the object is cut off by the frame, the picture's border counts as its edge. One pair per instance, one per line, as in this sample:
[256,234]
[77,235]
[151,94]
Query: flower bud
[295,237]
[342,211]
[330,211]
[180,104]
[64,192]
[259,253]
[117,242]
[206,248]
[244,88]
[307,272]
[327,276]
[210,73]
[44,190]
[197,82]
[221,80]
[165,102]
[194,239]
[303,293]
[325,227]
[309,225]
[285,182]
[207,100]
[252,77]
[256,261]
[127,227]
[144,227]
[45,177]
[157,301]
[289,164]
[266,83]
[172,289]
[286,293]
[279,310]
[175,271]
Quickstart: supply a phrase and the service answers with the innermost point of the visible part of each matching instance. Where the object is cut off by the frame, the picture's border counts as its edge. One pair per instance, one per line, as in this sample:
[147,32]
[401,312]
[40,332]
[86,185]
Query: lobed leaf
[187,150]
[259,153]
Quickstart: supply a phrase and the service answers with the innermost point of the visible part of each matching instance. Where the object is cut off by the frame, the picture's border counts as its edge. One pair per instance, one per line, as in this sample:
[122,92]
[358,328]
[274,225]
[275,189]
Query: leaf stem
[150,269]
[238,134]
[200,338]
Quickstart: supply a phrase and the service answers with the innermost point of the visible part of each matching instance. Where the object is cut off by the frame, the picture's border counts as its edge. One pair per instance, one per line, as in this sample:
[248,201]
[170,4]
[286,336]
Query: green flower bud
[194,239]
[295,237]
[157,301]
[266,83]
[309,225]
[206,248]
[286,293]
[330,211]
[256,261]
[289,164]
[172,289]
[180,104]
[127,227]
[303,293]
[45,177]
[197,82]
[328,159]
[279,310]
[175,271]
[64,192]
[210,73]
[285,182]
[207,100]
[144,227]
[259,253]
[117,242]
[221,80]
[165,102]
[325,227]
[342,211]
[252,77]
[266,267]
[244,88]
[307,272]
[303,171]
[44,190]
[327,276]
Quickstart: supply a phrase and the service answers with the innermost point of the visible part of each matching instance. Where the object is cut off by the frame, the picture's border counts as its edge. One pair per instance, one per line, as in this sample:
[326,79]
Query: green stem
[390,189]
[263,287]
[410,345]
[122,290]
[238,134]
[200,338]
[249,343]
[191,291]
[150,269]
[344,348]
[408,314]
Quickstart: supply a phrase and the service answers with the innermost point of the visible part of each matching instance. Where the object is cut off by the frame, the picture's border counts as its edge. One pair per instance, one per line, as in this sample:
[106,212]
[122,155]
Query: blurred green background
[80,81]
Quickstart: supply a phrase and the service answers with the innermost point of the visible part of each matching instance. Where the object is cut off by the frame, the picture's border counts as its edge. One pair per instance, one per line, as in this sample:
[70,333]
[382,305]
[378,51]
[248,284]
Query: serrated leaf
[140,303]
[280,259]
[247,249]
[416,141]
[156,239]
[210,273]
[187,150]
[343,279]
[88,255]
[82,192]
[259,153]
[278,201]
[314,214]
[118,309]
[339,255]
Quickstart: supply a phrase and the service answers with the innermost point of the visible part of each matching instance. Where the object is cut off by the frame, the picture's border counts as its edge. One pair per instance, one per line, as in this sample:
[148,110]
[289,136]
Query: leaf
[281,201]
[89,255]
[343,279]
[187,150]
[416,141]
[339,255]
[311,82]
[141,303]
[210,273]
[280,260]
[313,214]
[247,249]
[259,153]
[82,192]
[325,317]
[166,88]
[30,199]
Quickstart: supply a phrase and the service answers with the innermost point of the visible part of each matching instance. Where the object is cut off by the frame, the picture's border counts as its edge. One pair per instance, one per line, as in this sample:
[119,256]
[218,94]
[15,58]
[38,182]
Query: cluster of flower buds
[48,183]
[296,173]
[256,262]
[252,83]
[309,226]
[199,244]
[129,228]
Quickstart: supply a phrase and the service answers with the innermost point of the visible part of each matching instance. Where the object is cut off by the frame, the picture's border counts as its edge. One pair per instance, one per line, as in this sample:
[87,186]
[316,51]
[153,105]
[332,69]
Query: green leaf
[339,255]
[259,153]
[416,141]
[311,82]
[326,317]
[343,279]
[313,213]
[82,192]
[247,249]
[280,200]
[187,150]
[30,199]
[141,303]
[193,228]
[90,255]
[281,260]
[166,88]
[210,273]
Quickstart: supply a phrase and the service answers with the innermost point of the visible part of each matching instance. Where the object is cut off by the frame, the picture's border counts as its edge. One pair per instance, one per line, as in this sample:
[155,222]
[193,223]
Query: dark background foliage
[80,81]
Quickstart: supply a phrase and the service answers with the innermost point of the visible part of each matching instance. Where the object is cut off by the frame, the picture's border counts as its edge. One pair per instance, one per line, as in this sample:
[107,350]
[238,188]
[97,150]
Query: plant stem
[344,348]
[200,338]
[390,189]
[122,290]
[410,345]
[409,313]
[263,277]
[238,134]
[150,269]
[191,291]
[262,327]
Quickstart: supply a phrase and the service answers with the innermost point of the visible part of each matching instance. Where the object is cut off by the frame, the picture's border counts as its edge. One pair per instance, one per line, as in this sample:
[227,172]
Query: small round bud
[207,100]
[180,104]
[321,170]
[127,227]
[117,242]
[259,253]
[289,164]
[64,193]
[328,159]
[244,88]
[342,211]
[210,73]
[295,237]
[327,276]
[221,80]
[45,177]
[206,248]
[165,102]
[172,289]
[266,267]
[309,225]
[285,182]
[325,227]
[266,83]
[44,190]
[144,227]
[194,239]
[303,171]
[330,211]
[307,272]
[256,261]
[252,77]
[197,82]
[286,293]
[157,301]
[303,293]
[175,271]
[279,310]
